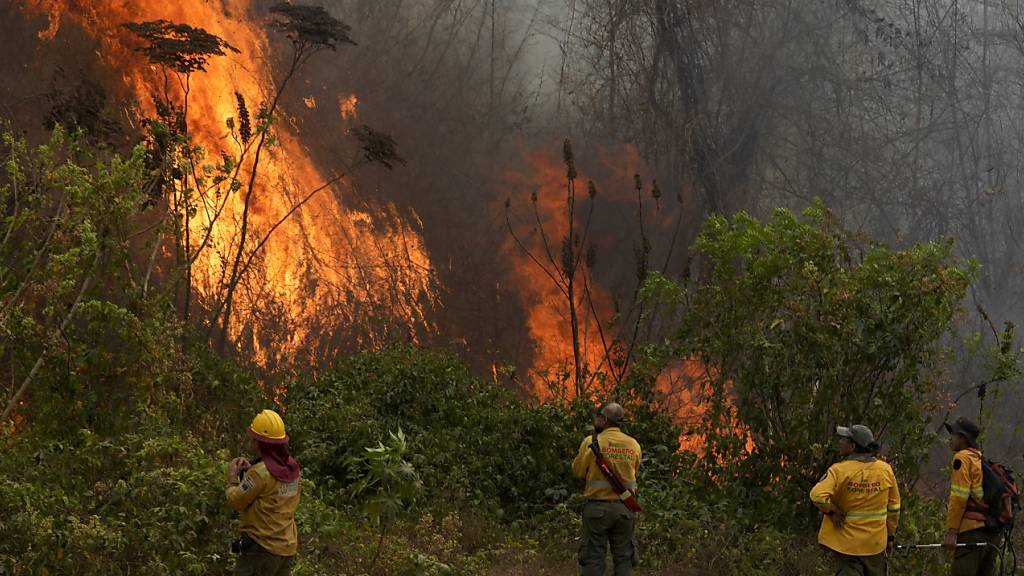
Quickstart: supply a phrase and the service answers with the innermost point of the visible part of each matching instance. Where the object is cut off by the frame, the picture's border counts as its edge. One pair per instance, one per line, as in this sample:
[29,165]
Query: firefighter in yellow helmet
[965,520]
[861,503]
[266,497]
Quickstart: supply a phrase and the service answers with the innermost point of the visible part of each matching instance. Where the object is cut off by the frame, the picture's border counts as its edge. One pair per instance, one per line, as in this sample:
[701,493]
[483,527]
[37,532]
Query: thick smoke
[903,116]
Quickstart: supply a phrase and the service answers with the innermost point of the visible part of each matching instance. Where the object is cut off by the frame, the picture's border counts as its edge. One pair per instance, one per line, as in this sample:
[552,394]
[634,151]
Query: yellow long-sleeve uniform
[864,490]
[267,509]
[623,454]
[965,485]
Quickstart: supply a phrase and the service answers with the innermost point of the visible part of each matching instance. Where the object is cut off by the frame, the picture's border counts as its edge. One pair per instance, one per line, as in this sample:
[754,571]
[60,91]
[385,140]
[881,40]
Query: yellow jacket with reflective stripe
[965,485]
[864,489]
[267,509]
[622,453]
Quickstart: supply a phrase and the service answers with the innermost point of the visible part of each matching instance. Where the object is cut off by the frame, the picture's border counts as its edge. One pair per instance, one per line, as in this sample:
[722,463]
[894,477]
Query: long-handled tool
[908,547]
[1006,566]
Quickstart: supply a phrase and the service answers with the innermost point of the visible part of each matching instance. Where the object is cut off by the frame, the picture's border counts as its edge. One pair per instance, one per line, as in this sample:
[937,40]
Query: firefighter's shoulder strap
[627,495]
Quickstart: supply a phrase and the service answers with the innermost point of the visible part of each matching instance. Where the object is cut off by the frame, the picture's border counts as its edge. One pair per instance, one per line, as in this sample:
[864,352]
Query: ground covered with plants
[453,477]
[115,448]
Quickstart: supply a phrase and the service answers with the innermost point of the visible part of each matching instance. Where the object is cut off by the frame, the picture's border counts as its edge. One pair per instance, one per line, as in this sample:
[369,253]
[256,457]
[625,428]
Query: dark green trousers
[607,524]
[976,561]
[259,562]
[859,565]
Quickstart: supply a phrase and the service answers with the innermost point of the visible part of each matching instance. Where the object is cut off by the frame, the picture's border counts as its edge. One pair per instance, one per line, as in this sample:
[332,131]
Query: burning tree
[178,50]
[199,192]
[560,242]
[311,30]
[564,270]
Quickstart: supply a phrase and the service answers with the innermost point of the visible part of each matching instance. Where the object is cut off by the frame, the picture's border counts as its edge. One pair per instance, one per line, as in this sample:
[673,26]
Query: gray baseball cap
[613,411]
[860,435]
[965,428]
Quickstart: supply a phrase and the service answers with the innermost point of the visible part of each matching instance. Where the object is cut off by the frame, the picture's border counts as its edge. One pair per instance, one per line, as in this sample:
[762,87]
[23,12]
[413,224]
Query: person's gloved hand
[949,539]
[237,466]
[838,518]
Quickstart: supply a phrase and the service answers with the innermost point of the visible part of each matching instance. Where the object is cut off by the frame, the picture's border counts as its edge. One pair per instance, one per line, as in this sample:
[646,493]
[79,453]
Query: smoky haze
[906,117]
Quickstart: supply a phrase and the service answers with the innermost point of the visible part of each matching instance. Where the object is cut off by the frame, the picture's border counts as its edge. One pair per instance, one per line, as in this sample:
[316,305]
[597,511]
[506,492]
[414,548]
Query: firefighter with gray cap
[608,460]
[965,516]
[861,505]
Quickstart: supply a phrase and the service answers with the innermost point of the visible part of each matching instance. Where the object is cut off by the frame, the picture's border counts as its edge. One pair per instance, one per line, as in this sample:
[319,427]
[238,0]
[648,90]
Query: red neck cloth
[278,461]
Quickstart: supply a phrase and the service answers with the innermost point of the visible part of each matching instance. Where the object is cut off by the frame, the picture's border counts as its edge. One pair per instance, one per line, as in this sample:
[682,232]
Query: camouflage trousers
[608,524]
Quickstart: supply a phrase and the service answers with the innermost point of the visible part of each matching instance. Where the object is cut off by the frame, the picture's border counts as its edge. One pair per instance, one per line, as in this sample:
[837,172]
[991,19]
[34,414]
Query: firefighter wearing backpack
[965,520]
[861,503]
[609,516]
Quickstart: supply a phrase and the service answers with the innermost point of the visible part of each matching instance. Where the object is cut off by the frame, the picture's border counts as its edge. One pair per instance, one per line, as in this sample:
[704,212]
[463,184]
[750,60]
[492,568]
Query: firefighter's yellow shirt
[965,485]
[622,453]
[864,489]
[267,509]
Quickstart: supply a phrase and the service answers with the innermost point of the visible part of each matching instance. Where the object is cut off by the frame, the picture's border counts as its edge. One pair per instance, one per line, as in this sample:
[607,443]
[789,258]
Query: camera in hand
[242,543]
[242,471]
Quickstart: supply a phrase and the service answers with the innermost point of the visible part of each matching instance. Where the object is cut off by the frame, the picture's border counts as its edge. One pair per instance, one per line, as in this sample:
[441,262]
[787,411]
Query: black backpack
[1002,497]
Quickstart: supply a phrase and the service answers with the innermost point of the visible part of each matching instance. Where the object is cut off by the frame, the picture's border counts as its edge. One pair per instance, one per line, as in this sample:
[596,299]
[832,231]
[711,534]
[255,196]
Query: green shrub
[471,443]
[803,327]
[140,504]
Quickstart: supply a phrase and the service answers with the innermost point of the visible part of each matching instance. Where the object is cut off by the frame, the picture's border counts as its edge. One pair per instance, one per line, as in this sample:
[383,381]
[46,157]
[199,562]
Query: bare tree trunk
[226,304]
[188,228]
[570,264]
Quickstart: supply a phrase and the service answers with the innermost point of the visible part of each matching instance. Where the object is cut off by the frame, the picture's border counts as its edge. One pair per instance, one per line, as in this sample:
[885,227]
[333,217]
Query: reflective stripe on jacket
[965,485]
[267,509]
[864,489]
[622,453]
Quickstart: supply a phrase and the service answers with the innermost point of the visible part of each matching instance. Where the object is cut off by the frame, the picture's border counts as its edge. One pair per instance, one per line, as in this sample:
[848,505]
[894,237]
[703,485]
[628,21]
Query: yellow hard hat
[268,427]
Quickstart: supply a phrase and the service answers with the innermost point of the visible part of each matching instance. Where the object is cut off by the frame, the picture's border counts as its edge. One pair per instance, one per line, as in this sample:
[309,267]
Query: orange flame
[329,259]
[546,303]
[682,384]
[347,106]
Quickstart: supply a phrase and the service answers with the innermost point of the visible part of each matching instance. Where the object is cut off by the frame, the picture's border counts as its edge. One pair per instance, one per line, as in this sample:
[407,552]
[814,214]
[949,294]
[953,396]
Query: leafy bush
[470,442]
[143,503]
[803,328]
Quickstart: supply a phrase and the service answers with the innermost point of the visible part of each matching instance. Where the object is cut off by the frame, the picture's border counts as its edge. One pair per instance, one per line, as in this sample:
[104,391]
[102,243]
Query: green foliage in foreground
[151,502]
[803,327]
[470,442]
[116,461]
